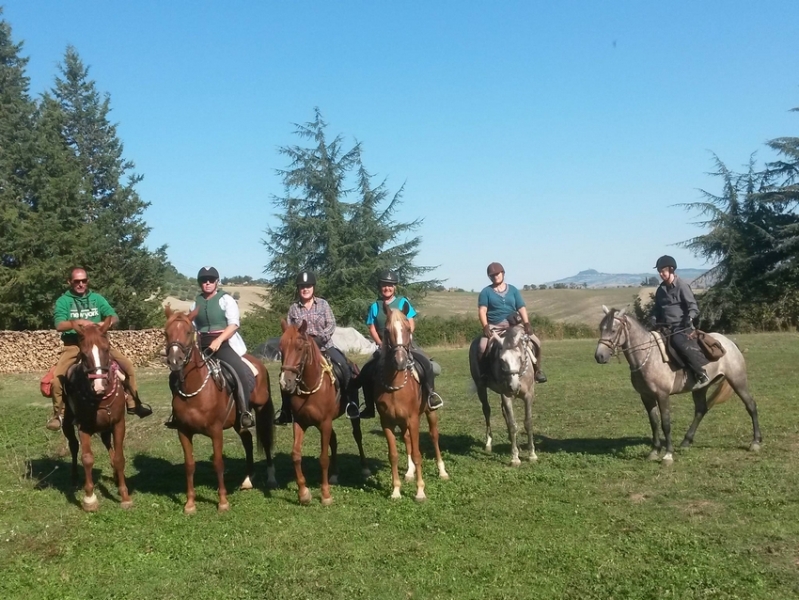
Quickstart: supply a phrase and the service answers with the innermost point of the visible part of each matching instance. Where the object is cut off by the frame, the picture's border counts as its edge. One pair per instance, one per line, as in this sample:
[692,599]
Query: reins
[614,343]
[299,371]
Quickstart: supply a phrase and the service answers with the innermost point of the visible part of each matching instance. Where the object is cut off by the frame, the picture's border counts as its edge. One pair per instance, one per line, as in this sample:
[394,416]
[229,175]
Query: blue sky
[553,137]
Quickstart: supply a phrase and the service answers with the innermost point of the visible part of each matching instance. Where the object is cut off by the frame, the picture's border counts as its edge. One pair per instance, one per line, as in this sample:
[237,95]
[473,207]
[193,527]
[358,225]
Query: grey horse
[655,380]
[511,376]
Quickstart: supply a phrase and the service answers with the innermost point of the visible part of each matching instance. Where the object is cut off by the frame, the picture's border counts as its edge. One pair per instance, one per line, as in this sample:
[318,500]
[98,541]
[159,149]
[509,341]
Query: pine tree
[335,222]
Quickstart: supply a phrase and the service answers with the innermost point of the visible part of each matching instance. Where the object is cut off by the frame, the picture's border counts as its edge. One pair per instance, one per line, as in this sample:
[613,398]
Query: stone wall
[37,351]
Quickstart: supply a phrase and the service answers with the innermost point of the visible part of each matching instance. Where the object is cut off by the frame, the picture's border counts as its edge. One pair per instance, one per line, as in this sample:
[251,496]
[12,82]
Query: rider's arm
[523,313]
[373,332]
[330,324]
[689,301]
[482,314]
[232,315]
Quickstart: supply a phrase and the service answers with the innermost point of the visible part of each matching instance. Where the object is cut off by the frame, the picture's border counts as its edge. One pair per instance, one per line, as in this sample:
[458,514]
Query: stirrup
[246,420]
[51,424]
[434,401]
[141,410]
[171,423]
[352,411]
[283,417]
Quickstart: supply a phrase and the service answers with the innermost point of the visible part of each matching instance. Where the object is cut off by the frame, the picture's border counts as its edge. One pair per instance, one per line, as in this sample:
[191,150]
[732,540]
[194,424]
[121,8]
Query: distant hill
[594,279]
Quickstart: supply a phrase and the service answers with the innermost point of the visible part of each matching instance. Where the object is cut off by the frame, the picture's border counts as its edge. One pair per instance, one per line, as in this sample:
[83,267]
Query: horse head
[296,351]
[95,355]
[514,363]
[397,338]
[179,334]
[613,333]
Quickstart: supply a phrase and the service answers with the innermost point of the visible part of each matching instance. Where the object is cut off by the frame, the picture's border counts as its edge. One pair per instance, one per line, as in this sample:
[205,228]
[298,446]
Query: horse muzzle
[602,354]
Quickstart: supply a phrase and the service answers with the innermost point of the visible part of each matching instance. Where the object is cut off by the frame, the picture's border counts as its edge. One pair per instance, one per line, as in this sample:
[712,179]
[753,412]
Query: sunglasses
[205,280]
[79,281]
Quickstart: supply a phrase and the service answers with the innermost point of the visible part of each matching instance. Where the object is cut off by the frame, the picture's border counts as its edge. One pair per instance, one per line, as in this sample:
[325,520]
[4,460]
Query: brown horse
[96,404]
[315,401]
[400,404]
[200,406]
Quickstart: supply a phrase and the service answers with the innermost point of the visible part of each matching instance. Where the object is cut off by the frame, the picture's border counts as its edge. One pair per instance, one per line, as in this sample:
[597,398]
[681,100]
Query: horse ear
[284,325]
[106,324]
[79,328]
[168,311]
[303,326]
[621,312]
[605,309]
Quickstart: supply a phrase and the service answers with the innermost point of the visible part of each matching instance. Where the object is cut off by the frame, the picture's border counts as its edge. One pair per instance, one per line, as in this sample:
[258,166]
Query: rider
[321,323]
[80,306]
[496,307]
[217,322]
[376,321]
[675,311]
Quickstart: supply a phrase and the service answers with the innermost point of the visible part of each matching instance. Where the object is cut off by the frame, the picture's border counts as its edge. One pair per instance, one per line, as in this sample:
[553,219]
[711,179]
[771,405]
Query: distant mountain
[594,279]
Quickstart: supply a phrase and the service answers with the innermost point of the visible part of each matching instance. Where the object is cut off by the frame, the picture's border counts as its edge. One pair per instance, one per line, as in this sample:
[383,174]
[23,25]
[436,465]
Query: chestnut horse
[96,404]
[315,401]
[199,406]
[400,403]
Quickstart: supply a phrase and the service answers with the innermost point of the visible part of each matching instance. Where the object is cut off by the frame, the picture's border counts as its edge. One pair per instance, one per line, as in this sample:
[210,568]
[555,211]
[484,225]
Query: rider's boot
[136,406]
[368,411]
[246,420]
[57,420]
[170,422]
[434,401]
[352,410]
[284,416]
[701,379]
[539,376]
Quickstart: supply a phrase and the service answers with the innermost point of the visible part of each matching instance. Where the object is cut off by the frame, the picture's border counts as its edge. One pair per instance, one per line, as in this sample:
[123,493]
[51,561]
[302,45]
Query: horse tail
[721,394]
[265,427]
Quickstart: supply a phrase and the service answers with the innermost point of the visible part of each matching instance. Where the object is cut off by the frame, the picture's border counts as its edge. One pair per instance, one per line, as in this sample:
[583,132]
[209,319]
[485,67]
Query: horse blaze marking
[398,333]
[98,386]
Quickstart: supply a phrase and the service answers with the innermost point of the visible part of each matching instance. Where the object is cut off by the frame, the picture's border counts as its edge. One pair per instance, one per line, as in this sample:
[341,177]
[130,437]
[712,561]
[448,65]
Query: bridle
[525,361]
[187,349]
[615,343]
[299,370]
[393,349]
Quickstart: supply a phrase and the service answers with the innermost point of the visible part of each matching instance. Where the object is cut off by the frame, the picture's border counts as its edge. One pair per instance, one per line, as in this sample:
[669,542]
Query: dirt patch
[700,508]
[639,497]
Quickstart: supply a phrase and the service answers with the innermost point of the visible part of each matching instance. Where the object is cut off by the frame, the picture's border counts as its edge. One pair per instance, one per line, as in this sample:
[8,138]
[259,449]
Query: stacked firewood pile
[33,351]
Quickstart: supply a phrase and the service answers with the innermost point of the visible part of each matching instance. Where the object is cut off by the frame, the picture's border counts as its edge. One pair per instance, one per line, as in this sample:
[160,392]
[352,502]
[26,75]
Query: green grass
[592,519]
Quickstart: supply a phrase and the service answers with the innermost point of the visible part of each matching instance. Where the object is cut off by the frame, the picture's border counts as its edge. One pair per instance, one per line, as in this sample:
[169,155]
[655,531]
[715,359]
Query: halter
[187,350]
[300,369]
[411,364]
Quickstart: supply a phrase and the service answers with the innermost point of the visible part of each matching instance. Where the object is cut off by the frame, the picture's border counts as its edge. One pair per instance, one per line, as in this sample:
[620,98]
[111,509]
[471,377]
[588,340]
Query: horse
[201,406]
[656,380]
[399,402]
[308,378]
[511,374]
[95,402]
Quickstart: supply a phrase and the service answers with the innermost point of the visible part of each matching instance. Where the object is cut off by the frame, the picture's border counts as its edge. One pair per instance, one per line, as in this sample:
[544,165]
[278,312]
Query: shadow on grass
[462,445]
[56,473]
[549,445]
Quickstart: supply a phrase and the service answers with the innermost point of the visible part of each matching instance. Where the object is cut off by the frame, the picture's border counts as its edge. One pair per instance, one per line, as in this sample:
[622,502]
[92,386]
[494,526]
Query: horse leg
[410,474]
[417,458]
[432,424]
[358,435]
[700,410]
[265,431]
[117,455]
[325,428]
[246,441]
[334,456]
[651,407]
[482,394]
[393,459]
[188,459]
[296,457]
[219,467]
[74,446]
[665,424]
[742,389]
[510,421]
[528,424]
[89,502]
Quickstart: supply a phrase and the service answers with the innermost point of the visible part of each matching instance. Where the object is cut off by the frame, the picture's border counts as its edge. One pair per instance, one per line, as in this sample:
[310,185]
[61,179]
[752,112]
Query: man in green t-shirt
[80,306]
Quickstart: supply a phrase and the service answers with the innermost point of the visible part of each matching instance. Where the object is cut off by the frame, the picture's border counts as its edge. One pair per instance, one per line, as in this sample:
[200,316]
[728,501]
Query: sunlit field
[591,519]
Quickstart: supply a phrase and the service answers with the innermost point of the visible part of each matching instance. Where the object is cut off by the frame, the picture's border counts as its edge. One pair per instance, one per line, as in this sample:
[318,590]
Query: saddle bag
[46,383]
[710,346]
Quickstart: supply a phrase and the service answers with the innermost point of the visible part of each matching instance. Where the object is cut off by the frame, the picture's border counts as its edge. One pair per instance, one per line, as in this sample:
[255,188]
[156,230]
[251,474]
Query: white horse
[511,375]
[655,380]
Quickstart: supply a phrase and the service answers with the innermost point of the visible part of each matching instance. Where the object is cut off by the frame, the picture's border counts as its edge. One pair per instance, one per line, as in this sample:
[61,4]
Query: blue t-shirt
[500,306]
[377,314]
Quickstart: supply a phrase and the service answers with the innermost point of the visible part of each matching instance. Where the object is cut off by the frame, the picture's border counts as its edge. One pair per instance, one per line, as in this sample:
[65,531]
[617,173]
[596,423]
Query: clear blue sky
[551,136]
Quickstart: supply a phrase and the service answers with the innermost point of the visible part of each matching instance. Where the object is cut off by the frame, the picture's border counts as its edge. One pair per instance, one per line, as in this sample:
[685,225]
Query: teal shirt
[500,306]
[91,306]
[377,312]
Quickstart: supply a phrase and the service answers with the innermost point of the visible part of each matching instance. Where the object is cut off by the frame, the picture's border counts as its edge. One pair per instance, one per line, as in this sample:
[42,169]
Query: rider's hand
[215,345]
[527,329]
[487,330]
[653,322]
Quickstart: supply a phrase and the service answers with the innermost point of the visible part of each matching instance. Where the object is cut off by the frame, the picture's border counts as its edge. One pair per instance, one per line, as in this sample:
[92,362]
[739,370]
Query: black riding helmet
[388,277]
[305,278]
[207,273]
[665,261]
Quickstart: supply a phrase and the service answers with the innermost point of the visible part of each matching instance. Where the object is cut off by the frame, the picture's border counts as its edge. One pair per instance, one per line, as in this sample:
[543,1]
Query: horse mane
[512,337]
[606,324]
[394,316]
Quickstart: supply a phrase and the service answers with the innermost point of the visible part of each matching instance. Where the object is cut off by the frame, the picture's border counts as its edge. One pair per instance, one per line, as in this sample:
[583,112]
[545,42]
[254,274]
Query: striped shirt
[319,317]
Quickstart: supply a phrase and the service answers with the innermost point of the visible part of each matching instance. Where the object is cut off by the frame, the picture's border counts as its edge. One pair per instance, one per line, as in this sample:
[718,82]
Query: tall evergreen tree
[334,221]
[115,255]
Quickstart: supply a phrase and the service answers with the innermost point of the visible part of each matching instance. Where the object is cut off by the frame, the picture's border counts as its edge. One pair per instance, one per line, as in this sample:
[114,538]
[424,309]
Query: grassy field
[591,519]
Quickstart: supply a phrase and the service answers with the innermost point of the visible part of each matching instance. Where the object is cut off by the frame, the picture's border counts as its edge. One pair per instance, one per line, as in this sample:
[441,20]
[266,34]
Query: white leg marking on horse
[395,495]
[410,474]
[90,500]
[246,484]
[420,497]
[442,471]
[668,458]
[489,443]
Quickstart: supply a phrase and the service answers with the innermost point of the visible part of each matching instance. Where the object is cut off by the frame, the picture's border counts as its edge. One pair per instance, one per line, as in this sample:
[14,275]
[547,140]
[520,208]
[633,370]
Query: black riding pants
[689,351]
[231,357]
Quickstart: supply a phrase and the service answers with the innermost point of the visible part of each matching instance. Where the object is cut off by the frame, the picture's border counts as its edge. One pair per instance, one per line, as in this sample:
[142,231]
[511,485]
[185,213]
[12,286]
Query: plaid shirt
[320,320]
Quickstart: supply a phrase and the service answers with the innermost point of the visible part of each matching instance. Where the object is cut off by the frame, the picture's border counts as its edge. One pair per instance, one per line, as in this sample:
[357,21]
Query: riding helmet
[494,268]
[665,261]
[305,278]
[388,277]
[207,272]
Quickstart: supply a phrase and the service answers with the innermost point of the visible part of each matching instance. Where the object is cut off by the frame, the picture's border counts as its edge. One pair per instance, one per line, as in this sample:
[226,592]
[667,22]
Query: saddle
[711,348]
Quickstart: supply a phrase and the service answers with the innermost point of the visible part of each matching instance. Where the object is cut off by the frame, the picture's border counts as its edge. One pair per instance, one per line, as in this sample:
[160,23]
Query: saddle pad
[529,349]
[661,346]
[252,366]
[416,373]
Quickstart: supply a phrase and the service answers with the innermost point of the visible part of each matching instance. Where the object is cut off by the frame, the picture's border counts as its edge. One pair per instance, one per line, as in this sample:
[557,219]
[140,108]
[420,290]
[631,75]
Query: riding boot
[57,420]
[246,420]
[136,406]
[352,410]
[365,381]
[538,374]
[171,423]
[434,401]
[701,379]
[284,416]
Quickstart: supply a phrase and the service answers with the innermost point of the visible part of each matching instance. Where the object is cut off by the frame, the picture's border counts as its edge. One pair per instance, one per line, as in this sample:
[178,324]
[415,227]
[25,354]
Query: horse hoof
[365,472]
[333,480]
[396,495]
[271,484]
[327,501]
[305,497]
[653,456]
[444,476]
[533,457]
[515,462]
[685,444]
[127,504]
[223,507]
[409,477]
[754,447]
[189,510]
[420,497]
[90,504]
[488,448]
[668,460]
[246,484]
